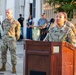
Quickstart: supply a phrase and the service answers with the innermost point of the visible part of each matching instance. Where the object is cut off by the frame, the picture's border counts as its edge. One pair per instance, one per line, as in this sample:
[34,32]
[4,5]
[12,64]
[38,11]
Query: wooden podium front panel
[38,57]
[39,63]
[56,67]
[56,59]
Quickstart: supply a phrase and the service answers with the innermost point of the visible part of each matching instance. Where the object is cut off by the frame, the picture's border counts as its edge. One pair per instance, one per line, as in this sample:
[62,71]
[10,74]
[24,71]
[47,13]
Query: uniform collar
[60,28]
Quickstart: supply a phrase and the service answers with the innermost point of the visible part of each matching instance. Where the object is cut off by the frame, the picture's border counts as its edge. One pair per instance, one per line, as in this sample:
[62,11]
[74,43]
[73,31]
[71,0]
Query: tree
[64,5]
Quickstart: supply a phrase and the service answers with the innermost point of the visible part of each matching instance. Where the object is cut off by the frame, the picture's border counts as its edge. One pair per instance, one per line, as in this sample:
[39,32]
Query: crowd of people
[55,30]
[46,28]
[43,25]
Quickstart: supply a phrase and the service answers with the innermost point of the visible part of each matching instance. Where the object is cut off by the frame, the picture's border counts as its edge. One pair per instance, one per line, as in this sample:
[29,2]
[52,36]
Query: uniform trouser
[21,36]
[42,34]
[11,45]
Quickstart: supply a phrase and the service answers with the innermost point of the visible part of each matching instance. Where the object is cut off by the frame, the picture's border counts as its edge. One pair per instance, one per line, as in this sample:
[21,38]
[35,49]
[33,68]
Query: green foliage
[65,5]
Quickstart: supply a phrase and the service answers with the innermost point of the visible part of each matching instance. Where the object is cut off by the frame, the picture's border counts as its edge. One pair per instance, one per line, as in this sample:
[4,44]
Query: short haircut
[20,14]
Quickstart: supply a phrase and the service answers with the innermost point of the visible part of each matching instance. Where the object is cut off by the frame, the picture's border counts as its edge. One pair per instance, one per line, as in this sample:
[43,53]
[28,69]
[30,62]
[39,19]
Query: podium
[49,58]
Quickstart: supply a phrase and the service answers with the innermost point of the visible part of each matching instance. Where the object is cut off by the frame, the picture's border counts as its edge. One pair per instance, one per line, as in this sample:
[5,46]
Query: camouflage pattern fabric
[11,33]
[69,24]
[61,34]
[36,34]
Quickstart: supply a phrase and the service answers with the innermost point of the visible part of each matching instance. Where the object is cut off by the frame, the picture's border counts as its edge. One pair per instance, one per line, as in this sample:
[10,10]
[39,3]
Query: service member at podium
[60,32]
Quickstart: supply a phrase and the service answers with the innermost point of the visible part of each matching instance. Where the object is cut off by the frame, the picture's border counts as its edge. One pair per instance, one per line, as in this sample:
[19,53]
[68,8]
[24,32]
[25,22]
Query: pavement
[20,54]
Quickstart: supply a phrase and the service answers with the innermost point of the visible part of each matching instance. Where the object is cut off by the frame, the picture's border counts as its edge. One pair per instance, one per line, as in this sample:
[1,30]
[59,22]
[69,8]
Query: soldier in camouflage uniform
[11,33]
[61,32]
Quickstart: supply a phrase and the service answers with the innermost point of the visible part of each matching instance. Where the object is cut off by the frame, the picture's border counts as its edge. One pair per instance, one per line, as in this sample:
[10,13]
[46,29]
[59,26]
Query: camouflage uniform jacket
[60,34]
[11,28]
[69,24]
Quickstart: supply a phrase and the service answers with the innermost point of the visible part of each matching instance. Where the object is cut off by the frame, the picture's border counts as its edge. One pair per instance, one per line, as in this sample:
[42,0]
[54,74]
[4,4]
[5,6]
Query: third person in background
[42,24]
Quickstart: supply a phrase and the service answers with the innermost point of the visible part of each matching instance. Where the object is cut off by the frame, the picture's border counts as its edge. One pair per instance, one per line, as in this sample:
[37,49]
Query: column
[26,15]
